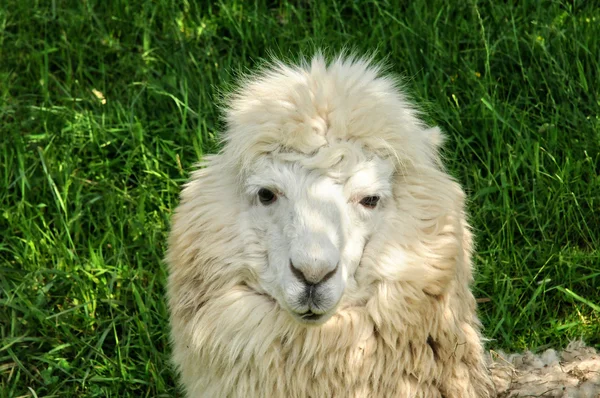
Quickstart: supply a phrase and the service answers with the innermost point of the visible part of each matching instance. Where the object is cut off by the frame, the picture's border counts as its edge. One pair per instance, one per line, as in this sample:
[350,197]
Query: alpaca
[324,252]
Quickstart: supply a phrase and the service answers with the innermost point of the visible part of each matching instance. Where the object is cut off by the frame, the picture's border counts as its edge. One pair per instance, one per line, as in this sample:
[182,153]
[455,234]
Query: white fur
[398,317]
[572,373]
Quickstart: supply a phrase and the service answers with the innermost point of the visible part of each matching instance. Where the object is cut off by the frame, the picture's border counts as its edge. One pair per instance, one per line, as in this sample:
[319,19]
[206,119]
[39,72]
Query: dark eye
[266,196]
[370,201]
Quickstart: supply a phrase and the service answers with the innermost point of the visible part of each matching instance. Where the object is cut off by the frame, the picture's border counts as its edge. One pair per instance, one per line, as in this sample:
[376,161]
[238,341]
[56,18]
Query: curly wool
[406,325]
[571,373]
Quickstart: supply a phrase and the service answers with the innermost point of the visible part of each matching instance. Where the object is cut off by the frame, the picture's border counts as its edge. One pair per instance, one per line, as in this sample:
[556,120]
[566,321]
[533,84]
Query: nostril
[329,275]
[298,274]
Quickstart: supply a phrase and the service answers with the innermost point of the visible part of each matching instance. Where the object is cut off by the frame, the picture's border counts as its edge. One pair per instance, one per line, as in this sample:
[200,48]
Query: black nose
[310,281]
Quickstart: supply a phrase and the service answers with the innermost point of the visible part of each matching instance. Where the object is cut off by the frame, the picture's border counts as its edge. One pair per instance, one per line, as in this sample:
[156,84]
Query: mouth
[307,317]
[311,316]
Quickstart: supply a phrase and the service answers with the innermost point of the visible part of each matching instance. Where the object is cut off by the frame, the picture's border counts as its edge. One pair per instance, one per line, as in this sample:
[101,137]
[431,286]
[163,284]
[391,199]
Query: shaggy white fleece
[324,252]
[572,373]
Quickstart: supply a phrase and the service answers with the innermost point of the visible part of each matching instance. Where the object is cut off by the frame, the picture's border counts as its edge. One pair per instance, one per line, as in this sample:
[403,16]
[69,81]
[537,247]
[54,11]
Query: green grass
[87,189]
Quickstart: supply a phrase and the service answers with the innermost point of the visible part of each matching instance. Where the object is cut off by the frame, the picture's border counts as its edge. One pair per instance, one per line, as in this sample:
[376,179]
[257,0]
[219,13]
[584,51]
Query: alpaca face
[314,227]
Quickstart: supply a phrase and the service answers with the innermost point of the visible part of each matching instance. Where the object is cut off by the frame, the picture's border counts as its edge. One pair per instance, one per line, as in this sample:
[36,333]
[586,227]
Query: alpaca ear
[435,137]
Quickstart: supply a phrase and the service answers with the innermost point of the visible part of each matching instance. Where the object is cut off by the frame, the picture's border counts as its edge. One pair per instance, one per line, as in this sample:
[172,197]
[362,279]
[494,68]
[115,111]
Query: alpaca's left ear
[435,137]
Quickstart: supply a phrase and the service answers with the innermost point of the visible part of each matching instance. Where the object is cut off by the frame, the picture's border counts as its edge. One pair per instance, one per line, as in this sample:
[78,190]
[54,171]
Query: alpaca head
[327,183]
[314,224]
[318,151]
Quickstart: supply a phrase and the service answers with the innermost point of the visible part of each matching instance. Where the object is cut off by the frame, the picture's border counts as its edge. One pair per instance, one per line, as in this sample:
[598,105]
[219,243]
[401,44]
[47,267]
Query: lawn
[105,106]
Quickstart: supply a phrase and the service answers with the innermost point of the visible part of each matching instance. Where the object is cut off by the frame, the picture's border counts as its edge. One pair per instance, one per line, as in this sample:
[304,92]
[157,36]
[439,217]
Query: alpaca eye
[266,196]
[370,201]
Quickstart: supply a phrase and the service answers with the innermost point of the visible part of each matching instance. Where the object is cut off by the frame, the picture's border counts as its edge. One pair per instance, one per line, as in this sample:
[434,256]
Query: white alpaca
[324,252]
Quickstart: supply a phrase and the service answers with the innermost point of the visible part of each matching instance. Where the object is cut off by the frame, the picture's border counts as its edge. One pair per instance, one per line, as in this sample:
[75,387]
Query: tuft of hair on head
[319,101]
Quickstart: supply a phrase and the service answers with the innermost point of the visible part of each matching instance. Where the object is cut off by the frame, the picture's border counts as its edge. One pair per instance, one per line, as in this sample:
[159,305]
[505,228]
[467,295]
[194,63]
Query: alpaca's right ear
[435,137]
[435,140]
